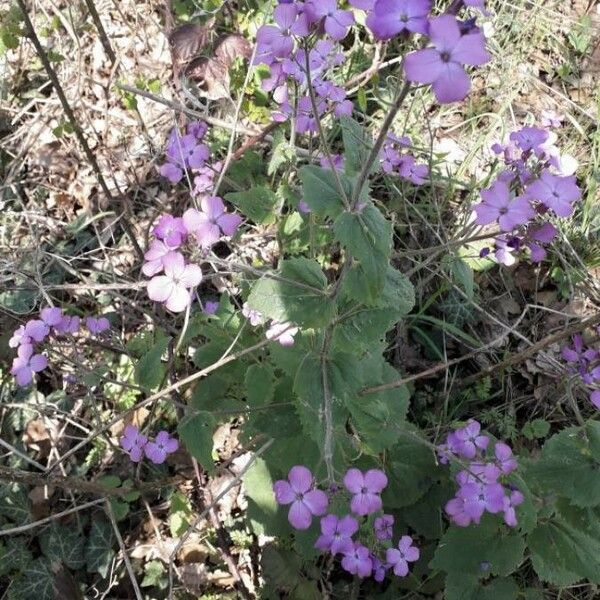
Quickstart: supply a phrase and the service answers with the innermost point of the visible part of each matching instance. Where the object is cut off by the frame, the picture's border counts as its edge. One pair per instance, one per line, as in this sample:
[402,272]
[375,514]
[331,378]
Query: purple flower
[509,503]
[595,398]
[198,129]
[455,509]
[19,337]
[276,41]
[507,463]
[379,569]
[442,65]
[36,329]
[366,5]
[210,307]
[68,325]
[282,332]
[480,498]
[171,172]
[337,159]
[529,138]
[358,561]
[97,325]
[399,558]
[335,21]
[208,224]
[469,440]
[133,442]
[170,230]
[366,488]
[479,473]
[252,315]
[408,169]
[555,192]
[51,316]
[391,17]
[304,208]
[336,534]
[497,205]
[26,364]
[383,527]
[162,445]
[154,258]
[194,153]
[173,288]
[305,501]
[549,118]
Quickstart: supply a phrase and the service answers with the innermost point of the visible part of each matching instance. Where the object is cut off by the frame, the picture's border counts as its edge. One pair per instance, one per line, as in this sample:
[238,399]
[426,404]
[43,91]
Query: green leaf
[297,294]
[257,203]
[15,556]
[425,516]
[570,465]
[259,385]
[479,549]
[461,587]
[14,503]
[60,543]
[35,582]
[99,547]
[265,515]
[196,433]
[398,293]
[462,273]
[180,514]
[281,568]
[367,236]
[538,428]
[321,191]
[154,572]
[357,146]
[149,370]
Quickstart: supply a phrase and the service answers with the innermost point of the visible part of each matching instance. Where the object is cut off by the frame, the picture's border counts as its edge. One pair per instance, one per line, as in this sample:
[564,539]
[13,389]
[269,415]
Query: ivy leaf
[570,465]
[15,556]
[149,370]
[99,547]
[63,544]
[296,295]
[357,146]
[367,236]
[479,549]
[321,191]
[259,385]
[257,203]
[154,575]
[196,432]
[14,504]
[36,581]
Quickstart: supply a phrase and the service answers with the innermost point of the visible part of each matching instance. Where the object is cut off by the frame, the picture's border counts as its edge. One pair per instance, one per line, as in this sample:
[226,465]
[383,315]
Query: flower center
[445,56]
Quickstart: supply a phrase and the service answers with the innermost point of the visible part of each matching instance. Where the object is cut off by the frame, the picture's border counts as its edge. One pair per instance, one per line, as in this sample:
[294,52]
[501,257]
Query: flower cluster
[402,164]
[284,332]
[185,152]
[172,278]
[584,362]
[536,183]
[136,445]
[27,337]
[338,532]
[481,486]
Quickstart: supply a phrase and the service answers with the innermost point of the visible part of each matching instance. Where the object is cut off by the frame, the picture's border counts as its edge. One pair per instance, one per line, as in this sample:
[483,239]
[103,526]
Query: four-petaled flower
[399,558]
[442,65]
[336,534]
[97,325]
[173,288]
[170,230]
[162,445]
[133,442]
[555,192]
[357,561]
[498,205]
[26,364]
[366,488]
[209,223]
[335,21]
[299,491]
[391,17]
[383,527]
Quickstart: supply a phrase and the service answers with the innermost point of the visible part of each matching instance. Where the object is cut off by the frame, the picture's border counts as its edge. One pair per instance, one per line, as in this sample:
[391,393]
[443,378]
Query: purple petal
[375,480]
[284,494]
[191,277]
[229,222]
[444,32]
[300,479]
[470,50]
[316,501]
[452,84]
[179,299]
[213,206]
[354,480]
[38,363]
[285,15]
[423,66]
[299,515]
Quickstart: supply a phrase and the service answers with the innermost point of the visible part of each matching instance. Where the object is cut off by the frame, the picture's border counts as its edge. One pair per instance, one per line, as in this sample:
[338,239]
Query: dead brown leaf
[187,41]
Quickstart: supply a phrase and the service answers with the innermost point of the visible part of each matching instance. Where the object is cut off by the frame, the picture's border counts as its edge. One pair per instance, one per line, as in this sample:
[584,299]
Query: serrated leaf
[280,567]
[196,433]
[297,294]
[321,192]
[570,465]
[479,549]
[461,587]
[35,582]
[357,146]
[259,385]
[99,551]
[257,203]
[149,370]
[63,544]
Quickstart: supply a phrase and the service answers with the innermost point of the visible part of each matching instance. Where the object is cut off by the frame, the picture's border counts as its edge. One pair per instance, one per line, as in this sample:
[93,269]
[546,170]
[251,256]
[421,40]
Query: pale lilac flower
[51,316]
[497,204]
[304,208]
[305,501]
[366,488]
[578,352]
[442,65]
[336,534]
[171,171]
[470,441]
[252,315]
[276,41]
[455,509]
[509,503]
[97,325]
[198,129]
[26,364]
[19,337]
[154,258]
[480,498]
[504,457]
[335,21]
[337,159]
[479,472]
[379,569]
[284,333]
[210,307]
[409,169]
[68,324]
[366,5]
[391,17]
[550,118]
[133,442]
[37,330]
[173,288]
[358,561]
[529,138]
[399,558]
[194,153]
[170,230]
[212,221]
[555,192]
[383,527]
[162,445]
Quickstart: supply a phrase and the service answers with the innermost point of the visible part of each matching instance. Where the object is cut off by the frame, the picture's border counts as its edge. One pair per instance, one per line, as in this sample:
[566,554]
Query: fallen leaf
[188,40]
